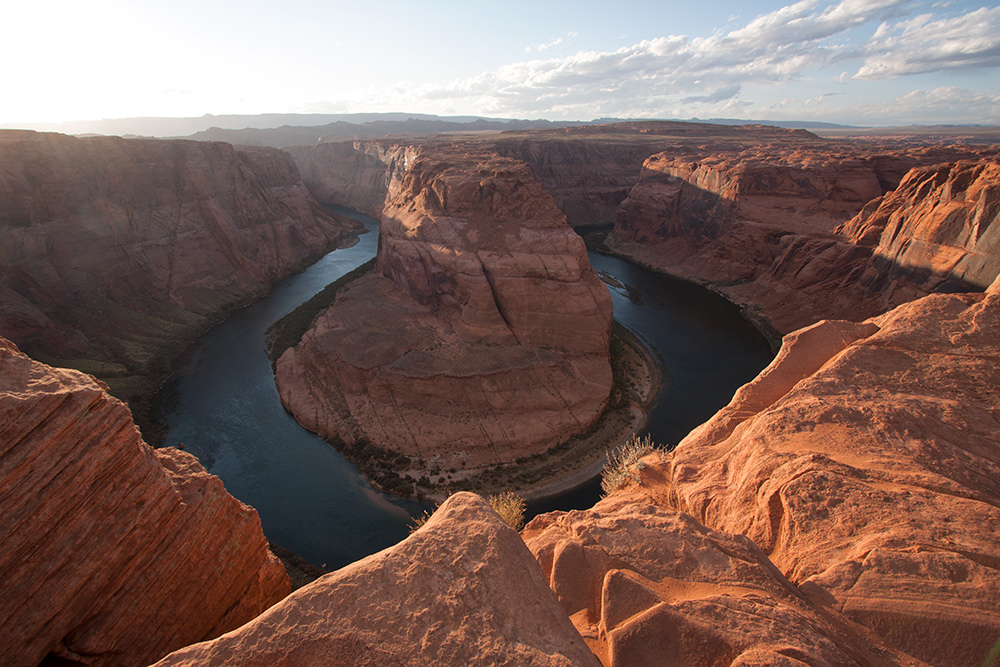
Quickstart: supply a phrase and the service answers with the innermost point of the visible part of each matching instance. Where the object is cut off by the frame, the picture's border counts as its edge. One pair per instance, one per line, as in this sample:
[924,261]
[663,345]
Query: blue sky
[870,62]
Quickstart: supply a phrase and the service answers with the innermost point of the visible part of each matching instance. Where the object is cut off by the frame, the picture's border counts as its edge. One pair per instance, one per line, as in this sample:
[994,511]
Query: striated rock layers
[647,585]
[865,463]
[114,553]
[766,227]
[939,231]
[462,590]
[114,252]
[483,335]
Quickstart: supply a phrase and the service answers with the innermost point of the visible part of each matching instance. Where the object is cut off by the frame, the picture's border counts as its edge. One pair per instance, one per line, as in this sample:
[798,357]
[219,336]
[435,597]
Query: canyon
[842,509]
[116,253]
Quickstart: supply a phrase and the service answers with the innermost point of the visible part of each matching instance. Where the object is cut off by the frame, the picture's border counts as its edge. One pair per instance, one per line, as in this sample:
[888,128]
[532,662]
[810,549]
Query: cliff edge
[114,553]
[115,253]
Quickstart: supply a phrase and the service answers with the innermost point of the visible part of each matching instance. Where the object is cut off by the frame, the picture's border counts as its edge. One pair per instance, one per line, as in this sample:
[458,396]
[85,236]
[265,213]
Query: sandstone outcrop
[114,253]
[114,553]
[651,586]
[766,228]
[462,590]
[481,338]
[937,232]
[864,462]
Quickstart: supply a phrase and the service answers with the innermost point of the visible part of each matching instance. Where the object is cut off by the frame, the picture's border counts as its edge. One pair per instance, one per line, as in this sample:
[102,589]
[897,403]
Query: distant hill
[339,126]
[293,135]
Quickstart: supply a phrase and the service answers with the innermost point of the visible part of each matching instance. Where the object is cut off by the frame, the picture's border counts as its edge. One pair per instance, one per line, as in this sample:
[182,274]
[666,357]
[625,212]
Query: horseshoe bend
[842,509]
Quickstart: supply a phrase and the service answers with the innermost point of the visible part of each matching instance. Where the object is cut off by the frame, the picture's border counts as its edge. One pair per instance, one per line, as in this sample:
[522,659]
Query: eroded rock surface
[937,232]
[462,590]
[766,227]
[114,253]
[865,463]
[114,553]
[651,586]
[483,335]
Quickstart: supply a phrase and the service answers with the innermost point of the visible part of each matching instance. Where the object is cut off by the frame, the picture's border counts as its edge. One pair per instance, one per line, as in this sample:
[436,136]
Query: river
[223,406]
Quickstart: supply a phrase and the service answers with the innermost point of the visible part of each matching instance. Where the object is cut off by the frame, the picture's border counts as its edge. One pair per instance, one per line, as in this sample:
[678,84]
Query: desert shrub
[417,522]
[624,465]
[510,507]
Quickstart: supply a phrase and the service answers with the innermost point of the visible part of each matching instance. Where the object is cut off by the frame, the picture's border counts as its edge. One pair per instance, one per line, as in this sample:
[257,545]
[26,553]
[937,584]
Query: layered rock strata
[483,335]
[937,232]
[462,590]
[114,553]
[114,253]
[767,228]
[647,585]
[864,462]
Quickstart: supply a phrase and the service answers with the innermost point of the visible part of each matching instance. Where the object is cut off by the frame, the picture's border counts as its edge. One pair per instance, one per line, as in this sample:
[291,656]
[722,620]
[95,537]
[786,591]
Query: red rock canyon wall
[114,253]
[114,553]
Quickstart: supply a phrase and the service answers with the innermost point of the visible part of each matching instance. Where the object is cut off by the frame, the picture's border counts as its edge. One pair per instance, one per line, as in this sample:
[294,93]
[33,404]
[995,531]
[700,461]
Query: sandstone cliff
[766,227]
[114,553]
[352,173]
[937,232]
[463,590]
[114,253]
[863,462]
[483,336]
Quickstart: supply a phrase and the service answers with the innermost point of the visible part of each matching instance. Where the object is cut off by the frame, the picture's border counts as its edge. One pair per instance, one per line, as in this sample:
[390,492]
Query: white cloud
[923,44]
[713,75]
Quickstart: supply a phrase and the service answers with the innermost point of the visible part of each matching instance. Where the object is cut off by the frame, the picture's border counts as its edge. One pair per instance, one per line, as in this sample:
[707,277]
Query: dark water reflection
[222,404]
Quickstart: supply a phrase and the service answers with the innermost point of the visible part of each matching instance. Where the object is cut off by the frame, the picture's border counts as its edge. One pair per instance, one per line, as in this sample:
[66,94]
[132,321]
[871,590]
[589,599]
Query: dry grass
[510,507]
[624,465]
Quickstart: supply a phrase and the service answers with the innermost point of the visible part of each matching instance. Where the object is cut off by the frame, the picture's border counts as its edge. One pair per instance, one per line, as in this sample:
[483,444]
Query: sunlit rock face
[864,463]
[114,553]
[648,585]
[788,231]
[119,251]
[936,232]
[462,590]
[481,337]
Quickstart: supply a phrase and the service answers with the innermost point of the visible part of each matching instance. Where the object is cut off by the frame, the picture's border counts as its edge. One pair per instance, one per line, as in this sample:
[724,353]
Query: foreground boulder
[114,553]
[865,463]
[652,586]
[481,337]
[462,590]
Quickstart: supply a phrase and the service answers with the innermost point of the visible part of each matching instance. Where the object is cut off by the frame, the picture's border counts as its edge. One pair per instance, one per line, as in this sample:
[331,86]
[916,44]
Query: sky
[859,62]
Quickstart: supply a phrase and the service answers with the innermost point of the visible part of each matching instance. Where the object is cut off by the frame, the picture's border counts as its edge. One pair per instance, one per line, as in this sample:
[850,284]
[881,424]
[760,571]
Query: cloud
[675,69]
[923,44]
[713,74]
[719,95]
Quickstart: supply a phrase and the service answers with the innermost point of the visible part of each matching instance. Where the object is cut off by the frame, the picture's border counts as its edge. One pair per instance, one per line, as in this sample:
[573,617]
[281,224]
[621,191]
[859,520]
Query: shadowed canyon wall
[114,553]
[115,253]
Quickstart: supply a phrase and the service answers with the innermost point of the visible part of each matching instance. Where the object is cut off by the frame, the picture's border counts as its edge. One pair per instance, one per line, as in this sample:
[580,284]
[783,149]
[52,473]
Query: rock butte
[481,337]
[114,553]
[115,253]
